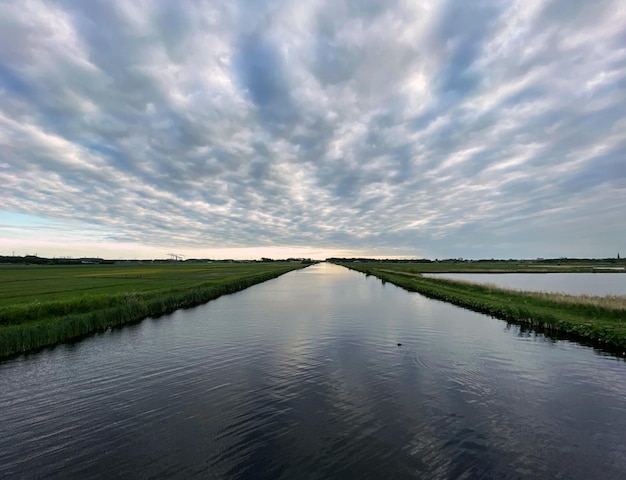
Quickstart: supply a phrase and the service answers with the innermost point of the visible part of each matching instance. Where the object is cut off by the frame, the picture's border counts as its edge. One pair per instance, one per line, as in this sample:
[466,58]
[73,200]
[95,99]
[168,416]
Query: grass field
[597,320]
[28,283]
[42,305]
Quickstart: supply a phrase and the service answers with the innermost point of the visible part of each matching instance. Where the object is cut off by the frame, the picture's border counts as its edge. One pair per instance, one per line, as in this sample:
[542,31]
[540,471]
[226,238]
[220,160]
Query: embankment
[29,327]
[596,322]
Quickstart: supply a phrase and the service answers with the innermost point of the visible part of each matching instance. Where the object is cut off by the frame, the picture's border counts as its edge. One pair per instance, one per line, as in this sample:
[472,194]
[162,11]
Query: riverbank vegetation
[43,305]
[598,320]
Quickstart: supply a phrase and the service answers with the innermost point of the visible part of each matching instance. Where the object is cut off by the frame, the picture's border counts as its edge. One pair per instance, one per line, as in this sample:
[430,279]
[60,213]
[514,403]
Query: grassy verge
[600,321]
[61,304]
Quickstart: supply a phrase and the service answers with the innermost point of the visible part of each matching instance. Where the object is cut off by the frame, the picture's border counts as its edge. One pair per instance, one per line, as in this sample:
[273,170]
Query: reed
[31,326]
[611,302]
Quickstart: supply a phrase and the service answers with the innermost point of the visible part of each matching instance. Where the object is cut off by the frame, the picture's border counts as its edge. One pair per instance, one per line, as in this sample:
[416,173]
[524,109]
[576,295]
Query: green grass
[44,305]
[598,320]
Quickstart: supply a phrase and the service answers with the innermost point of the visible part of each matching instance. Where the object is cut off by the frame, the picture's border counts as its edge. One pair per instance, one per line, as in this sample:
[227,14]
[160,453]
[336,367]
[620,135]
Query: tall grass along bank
[597,320]
[32,324]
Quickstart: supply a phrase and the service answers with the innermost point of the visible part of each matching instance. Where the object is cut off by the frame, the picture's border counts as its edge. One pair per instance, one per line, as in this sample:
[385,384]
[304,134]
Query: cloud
[490,128]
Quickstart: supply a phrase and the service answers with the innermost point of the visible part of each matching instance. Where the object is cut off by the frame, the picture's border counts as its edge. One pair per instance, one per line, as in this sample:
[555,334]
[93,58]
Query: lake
[303,377]
[572,283]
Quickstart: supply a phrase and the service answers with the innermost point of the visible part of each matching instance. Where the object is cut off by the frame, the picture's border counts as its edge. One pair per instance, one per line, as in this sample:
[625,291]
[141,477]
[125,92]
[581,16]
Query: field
[42,305]
[597,320]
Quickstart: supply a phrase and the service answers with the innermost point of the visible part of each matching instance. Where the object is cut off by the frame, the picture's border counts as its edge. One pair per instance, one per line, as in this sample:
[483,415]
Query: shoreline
[18,338]
[592,324]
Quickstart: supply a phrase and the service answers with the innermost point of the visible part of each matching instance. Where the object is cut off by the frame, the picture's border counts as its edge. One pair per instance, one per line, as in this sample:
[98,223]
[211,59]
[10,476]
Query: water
[572,283]
[302,377]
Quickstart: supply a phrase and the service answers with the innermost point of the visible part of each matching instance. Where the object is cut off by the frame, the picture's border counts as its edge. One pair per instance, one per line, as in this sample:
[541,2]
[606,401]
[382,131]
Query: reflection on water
[302,377]
[571,283]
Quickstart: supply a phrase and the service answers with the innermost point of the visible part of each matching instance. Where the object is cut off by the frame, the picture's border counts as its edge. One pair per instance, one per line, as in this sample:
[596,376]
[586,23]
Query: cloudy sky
[248,128]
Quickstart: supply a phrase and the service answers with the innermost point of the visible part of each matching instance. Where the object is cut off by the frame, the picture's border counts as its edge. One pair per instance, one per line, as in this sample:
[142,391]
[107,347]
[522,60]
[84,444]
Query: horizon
[184,258]
[421,129]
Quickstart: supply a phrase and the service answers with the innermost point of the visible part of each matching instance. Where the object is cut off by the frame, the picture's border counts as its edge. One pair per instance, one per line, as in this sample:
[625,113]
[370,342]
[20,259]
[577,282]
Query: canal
[321,373]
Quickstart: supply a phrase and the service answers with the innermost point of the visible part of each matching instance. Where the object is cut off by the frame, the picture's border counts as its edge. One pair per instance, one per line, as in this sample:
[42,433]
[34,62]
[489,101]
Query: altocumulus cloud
[434,128]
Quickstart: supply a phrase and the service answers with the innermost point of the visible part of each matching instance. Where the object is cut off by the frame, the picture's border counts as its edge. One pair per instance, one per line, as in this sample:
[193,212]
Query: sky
[318,128]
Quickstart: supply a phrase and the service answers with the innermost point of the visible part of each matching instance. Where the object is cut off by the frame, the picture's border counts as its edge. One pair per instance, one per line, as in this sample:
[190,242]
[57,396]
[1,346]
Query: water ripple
[305,379]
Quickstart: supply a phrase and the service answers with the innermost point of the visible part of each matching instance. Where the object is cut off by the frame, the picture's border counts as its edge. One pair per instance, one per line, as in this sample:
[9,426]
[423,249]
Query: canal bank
[28,327]
[600,322]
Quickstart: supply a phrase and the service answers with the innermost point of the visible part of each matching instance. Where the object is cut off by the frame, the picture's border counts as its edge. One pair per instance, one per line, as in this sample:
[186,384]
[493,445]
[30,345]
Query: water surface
[572,283]
[302,377]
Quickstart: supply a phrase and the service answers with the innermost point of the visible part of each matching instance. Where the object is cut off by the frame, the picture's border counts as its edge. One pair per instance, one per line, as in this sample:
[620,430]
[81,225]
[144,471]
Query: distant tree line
[35,260]
[378,260]
[547,261]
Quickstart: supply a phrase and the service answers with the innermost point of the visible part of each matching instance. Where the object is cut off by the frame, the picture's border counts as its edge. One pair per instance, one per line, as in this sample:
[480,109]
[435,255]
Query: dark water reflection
[301,377]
